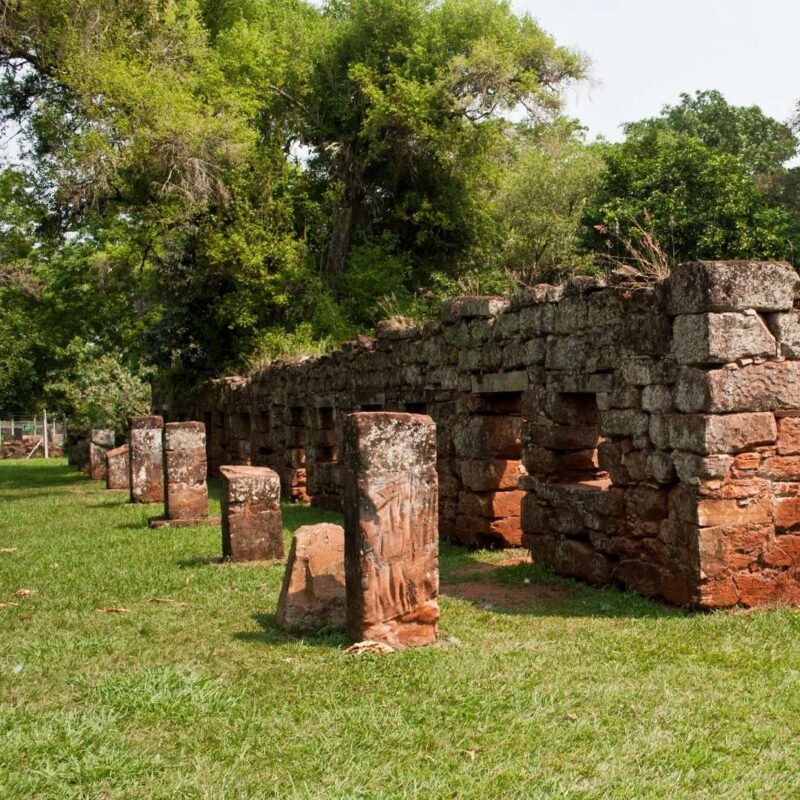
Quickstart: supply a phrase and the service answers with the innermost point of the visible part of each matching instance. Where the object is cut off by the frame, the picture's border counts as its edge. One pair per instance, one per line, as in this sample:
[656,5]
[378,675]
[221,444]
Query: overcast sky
[644,53]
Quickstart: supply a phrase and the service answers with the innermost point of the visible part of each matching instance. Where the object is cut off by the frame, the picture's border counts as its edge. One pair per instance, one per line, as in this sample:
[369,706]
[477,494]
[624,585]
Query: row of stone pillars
[379,575]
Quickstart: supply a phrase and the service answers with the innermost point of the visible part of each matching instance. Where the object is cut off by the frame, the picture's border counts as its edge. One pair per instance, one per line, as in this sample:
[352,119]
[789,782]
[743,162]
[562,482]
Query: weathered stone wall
[625,431]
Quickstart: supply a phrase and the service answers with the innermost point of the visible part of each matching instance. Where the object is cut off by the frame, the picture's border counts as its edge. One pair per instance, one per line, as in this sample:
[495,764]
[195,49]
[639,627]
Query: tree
[405,98]
[539,202]
[698,179]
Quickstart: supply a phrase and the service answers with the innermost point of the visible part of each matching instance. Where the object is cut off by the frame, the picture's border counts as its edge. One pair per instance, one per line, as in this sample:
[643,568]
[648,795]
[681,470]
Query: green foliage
[99,391]
[689,178]
[539,203]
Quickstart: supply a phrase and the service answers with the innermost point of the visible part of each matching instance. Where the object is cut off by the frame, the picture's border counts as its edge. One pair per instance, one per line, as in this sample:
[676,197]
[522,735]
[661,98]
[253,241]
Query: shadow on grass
[534,590]
[270,633]
[28,475]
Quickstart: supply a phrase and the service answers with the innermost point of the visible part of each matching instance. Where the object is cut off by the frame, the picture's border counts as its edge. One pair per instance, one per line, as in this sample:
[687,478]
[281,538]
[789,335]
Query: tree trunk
[341,234]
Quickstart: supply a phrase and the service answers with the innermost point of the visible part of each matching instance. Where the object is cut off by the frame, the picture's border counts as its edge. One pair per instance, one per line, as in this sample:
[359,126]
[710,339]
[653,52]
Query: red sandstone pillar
[185,471]
[252,529]
[118,469]
[391,528]
[100,442]
[145,456]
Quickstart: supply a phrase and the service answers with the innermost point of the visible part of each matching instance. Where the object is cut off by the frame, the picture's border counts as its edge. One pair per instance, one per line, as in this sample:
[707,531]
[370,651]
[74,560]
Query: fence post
[46,443]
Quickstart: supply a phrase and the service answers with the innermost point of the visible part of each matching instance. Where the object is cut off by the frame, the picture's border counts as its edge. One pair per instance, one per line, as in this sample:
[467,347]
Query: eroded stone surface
[731,286]
[721,338]
[313,591]
[185,470]
[629,431]
[252,529]
[100,442]
[145,459]
[391,535]
[118,469]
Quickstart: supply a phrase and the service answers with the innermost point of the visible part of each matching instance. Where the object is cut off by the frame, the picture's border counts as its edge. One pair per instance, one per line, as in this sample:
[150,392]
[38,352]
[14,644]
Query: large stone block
[702,286]
[146,459]
[771,386]
[185,471]
[457,308]
[488,437]
[708,434]
[490,475]
[721,338]
[391,536]
[100,442]
[252,529]
[118,469]
[313,591]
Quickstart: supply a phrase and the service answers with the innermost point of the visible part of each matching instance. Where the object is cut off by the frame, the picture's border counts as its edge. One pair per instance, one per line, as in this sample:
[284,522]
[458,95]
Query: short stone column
[118,469]
[252,529]
[313,593]
[100,442]
[185,473]
[391,528]
[145,457]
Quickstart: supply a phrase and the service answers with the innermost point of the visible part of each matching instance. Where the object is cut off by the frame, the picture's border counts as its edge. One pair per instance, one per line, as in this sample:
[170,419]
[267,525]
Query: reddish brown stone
[313,591]
[490,474]
[100,442]
[185,469]
[117,469]
[251,515]
[789,436]
[146,460]
[391,538]
[718,592]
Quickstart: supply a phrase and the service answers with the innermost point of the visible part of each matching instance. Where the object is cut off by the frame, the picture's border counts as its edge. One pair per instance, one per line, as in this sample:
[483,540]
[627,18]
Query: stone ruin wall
[625,431]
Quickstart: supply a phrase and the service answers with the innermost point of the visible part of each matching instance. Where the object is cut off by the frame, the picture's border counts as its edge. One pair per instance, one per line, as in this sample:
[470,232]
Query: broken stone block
[252,529]
[702,286]
[721,338]
[100,442]
[145,459]
[117,469]
[185,472]
[391,536]
[313,591]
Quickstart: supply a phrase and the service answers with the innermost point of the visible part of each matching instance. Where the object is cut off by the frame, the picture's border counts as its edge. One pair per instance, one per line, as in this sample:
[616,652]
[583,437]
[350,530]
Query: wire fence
[24,435]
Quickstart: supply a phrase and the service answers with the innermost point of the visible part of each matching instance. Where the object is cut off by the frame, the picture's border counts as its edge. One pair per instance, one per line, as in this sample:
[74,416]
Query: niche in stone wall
[489,446]
[262,446]
[325,444]
[564,443]
[416,408]
[293,474]
[241,435]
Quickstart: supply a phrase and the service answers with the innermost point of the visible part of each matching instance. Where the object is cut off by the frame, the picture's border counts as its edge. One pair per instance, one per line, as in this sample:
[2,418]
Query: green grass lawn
[539,687]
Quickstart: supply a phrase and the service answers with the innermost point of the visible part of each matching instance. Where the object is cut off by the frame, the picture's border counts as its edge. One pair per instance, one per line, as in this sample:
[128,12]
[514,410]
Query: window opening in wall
[297,435]
[242,435]
[371,407]
[490,467]
[416,408]
[325,447]
[571,438]
[262,445]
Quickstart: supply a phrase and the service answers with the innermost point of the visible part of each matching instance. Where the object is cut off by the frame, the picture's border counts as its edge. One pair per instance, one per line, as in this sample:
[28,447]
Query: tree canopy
[196,186]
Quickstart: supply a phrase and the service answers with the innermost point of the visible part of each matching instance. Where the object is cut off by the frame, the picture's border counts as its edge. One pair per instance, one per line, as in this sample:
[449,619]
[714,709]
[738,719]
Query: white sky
[644,53]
